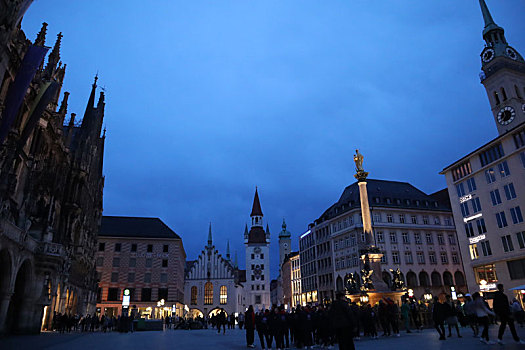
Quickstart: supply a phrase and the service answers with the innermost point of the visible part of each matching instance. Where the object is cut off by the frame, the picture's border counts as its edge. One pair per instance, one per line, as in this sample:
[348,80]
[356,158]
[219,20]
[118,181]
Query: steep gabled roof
[256,235]
[138,227]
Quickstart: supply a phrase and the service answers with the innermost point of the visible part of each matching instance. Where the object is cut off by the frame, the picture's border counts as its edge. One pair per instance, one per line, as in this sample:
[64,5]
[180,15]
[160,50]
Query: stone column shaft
[365,213]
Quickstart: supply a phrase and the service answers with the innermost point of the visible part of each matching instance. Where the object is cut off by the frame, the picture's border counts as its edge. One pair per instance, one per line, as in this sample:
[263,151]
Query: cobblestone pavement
[234,339]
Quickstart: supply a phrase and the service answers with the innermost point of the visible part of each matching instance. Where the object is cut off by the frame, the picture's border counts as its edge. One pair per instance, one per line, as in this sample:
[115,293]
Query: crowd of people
[90,323]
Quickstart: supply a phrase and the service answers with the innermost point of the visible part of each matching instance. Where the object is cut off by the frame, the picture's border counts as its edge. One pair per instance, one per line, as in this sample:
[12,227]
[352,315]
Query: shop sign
[476,239]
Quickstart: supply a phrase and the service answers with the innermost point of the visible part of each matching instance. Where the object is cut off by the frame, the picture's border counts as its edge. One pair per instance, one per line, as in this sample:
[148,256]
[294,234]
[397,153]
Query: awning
[522,287]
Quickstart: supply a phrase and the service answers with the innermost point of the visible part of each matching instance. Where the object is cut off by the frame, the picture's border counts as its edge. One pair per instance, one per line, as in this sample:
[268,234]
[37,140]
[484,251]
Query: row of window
[163,277]
[401,218]
[115,294]
[132,262]
[420,256]
[208,294]
[508,246]
[510,193]
[476,206]
[132,247]
[515,214]
[480,225]
[258,287]
[503,170]
[405,236]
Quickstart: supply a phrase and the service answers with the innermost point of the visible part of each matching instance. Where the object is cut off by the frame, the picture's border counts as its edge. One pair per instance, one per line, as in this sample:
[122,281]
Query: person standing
[405,315]
[343,321]
[470,315]
[240,319]
[502,310]
[249,326]
[451,316]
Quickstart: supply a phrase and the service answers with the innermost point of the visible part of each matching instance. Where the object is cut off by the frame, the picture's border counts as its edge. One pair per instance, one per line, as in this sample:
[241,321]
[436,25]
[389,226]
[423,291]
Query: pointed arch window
[496,97]
[194,295]
[208,293]
[224,295]
[504,94]
[517,91]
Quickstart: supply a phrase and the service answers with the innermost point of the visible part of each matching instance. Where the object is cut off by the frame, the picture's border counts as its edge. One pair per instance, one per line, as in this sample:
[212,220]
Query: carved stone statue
[366,274]
[397,281]
[358,159]
[351,283]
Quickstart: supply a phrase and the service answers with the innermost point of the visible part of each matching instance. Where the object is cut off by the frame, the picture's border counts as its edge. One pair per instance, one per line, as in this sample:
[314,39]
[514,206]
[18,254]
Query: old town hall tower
[257,243]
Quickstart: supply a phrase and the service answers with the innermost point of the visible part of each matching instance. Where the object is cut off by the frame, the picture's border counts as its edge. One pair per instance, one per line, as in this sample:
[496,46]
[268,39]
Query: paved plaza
[234,339]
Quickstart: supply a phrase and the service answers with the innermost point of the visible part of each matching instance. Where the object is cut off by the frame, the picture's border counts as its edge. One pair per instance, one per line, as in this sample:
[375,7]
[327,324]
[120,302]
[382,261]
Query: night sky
[207,99]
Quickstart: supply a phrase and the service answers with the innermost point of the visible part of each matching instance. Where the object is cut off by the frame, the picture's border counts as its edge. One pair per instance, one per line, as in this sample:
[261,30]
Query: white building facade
[487,186]
[213,282]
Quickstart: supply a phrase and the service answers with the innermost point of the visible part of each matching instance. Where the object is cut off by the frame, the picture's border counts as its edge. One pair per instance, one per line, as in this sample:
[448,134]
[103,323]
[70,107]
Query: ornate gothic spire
[210,241]
[41,36]
[54,57]
[63,106]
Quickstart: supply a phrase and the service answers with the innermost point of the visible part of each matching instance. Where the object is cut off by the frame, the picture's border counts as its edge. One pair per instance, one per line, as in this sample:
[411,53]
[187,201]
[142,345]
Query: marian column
[371,274]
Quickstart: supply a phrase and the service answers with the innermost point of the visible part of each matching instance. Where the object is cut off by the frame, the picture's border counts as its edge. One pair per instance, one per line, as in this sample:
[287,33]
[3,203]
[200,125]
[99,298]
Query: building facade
[144,256]
[487,186]
[51,184]
[415,232]
[257,247]
[213,282]
[291,277]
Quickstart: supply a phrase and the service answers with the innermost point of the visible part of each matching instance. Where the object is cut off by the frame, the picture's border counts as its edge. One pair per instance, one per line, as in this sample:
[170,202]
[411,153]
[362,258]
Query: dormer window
[388,201]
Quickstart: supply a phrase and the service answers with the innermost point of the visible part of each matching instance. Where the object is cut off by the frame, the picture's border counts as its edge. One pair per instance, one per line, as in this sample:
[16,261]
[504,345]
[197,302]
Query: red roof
[256,208]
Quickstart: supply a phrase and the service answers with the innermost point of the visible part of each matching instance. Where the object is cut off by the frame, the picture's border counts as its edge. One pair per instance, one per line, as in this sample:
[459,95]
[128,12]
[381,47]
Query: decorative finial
[284,225]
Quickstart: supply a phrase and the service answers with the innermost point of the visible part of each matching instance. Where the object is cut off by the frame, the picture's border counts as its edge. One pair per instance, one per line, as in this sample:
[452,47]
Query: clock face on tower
[511,53]
[285,245]
[257,272]
[506,115]
[488,55]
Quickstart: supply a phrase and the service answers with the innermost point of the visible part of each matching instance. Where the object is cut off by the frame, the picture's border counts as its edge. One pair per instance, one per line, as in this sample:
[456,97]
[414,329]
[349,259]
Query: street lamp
[427,296]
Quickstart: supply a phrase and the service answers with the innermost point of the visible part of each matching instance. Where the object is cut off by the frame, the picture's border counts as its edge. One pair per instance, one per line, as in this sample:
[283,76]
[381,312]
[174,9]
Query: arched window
[194,295]
[504,94]
[411,279]
[460,279]
[517,91]
[224,295]
[436,279]
[424,281]
[496,97]
[447,279]
[339,284]
[208,293]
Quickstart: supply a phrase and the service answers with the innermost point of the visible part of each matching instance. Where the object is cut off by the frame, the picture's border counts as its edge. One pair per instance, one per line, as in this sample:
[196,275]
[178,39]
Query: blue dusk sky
[207,99]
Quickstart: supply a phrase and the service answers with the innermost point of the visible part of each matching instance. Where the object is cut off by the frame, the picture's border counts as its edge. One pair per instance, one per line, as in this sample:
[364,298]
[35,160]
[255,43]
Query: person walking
[240,320]
[221,321]
[343,320]
[502,310]
[482,313]
[438,316]
[249,326]
[451,316]
[470,314]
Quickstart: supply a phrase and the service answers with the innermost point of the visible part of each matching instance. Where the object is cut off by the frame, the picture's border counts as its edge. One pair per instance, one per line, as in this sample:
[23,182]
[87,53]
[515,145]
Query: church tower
[257,244]
[503,75]
[285,242]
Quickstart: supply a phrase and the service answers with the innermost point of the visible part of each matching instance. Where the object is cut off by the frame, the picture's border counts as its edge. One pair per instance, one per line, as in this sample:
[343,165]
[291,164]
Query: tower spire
[487,17]
[228,250]
[209,236]
[256,207]
[86,121]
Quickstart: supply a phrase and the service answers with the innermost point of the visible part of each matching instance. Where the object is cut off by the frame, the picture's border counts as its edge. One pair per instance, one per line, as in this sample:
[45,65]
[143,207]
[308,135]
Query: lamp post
[364,298]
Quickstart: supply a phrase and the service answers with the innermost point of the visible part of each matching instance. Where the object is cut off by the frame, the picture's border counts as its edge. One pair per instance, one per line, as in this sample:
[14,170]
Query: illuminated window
[224,295]
[194,295]
[473,251]
[208,293]
[486,273]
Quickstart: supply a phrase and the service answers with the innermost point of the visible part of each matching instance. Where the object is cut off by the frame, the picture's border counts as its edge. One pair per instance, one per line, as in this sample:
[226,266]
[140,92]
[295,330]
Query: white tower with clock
[503,75]
[257,243]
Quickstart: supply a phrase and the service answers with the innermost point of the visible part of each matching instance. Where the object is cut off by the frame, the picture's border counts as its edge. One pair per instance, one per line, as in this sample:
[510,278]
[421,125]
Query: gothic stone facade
[50,193]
